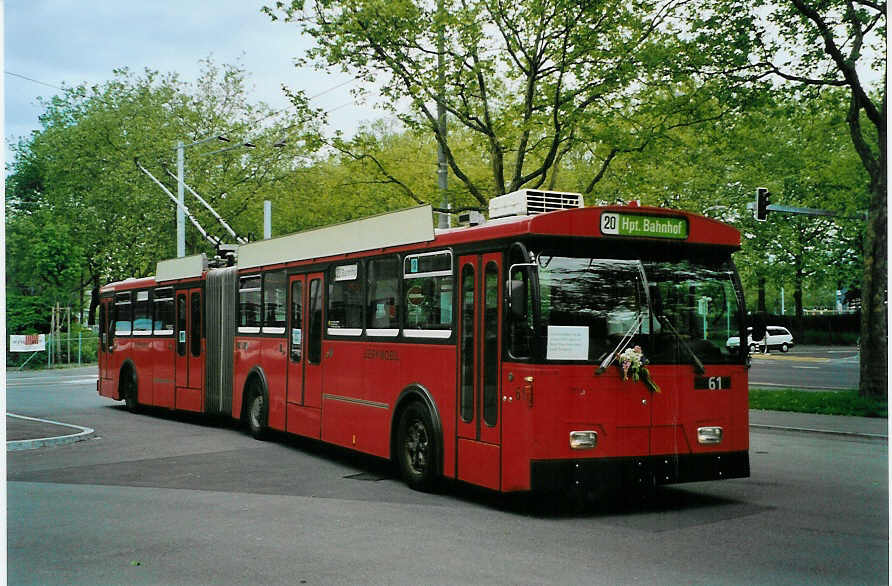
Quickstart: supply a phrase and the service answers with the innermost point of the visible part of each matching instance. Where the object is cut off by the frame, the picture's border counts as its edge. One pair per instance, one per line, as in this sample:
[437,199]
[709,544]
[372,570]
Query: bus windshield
[678,311]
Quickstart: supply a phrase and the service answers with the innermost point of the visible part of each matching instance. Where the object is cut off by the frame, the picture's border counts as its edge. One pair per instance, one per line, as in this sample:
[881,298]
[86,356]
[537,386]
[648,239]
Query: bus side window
[345,300]
[428,294]
[163,318]
[181,324]
[296,320]
[274,302]
[142,314]
[314,328]
[382,305]
[249,317]
[195,316]
[520,318]
[123,314]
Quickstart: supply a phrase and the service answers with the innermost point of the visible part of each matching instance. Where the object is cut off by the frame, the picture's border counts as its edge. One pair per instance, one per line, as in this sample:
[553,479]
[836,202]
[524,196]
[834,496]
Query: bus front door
[304,395]
[479,407]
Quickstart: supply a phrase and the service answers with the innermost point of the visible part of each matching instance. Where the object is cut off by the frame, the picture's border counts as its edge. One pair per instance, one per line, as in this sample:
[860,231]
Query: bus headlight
[583,440]
[709,435]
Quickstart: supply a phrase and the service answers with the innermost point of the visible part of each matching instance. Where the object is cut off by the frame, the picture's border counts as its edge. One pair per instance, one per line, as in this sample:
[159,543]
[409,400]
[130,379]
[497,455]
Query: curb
[854,434]
[30,444]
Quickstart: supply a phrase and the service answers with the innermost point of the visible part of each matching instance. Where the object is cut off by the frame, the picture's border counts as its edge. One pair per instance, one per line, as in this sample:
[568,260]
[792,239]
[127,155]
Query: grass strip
[823,402]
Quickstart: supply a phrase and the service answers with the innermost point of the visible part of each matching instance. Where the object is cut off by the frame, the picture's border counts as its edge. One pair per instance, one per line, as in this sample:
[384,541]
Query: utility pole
[442,170]
[181,203]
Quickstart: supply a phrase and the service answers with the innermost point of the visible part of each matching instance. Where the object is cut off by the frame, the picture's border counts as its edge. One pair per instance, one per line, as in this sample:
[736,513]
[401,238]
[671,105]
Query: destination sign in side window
[619,224]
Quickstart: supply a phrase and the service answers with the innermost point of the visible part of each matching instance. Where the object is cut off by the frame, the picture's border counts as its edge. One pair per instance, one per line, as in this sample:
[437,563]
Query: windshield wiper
[623,344]
[698,365]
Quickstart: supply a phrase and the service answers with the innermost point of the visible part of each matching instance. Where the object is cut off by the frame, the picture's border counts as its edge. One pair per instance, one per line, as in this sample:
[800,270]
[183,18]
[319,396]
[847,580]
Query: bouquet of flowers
[632,361]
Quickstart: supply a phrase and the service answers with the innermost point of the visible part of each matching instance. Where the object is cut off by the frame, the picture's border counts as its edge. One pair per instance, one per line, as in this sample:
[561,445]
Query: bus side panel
[355,405]
[273,361]
[306,421]
[162,355]
[357,426]
[246,357]
[434,367]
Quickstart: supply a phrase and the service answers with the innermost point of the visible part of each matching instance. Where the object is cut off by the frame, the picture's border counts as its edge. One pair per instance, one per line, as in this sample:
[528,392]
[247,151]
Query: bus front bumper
[626,473]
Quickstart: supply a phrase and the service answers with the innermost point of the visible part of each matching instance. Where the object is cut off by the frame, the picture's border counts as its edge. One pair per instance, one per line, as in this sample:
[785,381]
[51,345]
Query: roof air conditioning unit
[528,202]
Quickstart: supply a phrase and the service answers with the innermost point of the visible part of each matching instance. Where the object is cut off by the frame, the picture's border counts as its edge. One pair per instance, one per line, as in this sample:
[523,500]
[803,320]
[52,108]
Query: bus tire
[129,390]
[256,411]
[416,448]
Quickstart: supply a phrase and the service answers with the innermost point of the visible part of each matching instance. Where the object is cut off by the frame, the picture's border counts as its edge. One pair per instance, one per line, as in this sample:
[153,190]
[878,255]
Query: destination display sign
[620,224]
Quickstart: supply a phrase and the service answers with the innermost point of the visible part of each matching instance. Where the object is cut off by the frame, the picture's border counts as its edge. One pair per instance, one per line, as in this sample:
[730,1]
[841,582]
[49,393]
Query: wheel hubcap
[416,447]
[256,410]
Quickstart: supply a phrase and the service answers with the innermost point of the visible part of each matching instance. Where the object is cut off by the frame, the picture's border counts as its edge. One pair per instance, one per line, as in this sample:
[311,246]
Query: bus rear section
[617,372]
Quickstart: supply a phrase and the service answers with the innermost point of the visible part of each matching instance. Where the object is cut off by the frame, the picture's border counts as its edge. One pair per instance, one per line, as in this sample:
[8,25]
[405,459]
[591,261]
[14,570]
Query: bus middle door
[304,394]
[479,411]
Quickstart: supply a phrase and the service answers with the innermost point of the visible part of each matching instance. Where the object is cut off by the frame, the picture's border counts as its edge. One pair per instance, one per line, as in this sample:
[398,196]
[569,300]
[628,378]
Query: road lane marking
[789,358]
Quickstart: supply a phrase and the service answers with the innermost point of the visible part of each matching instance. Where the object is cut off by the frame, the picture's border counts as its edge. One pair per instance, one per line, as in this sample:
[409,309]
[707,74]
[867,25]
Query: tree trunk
[94,300]
[874,285]
[760,304]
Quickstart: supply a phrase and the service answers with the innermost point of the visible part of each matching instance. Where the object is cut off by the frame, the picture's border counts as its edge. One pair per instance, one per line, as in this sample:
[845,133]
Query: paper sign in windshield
[567,343]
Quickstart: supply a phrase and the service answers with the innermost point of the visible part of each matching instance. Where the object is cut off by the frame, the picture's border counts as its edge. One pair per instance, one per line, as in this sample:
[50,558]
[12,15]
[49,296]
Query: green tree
[527,82]
[812,46]
[76,177]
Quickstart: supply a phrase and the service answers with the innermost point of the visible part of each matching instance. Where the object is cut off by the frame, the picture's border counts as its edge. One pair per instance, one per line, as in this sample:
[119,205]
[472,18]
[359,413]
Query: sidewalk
[26,433]
[868,427]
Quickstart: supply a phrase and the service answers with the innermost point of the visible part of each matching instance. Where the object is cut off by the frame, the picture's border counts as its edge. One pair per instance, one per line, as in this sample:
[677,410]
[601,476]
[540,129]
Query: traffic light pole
[762,207]
[812,212]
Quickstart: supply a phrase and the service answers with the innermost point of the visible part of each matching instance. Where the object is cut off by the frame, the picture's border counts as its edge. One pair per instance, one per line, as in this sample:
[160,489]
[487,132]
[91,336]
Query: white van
[778,338]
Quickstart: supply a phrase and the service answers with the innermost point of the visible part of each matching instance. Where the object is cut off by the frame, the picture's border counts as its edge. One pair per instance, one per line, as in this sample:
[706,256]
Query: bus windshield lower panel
[670,308]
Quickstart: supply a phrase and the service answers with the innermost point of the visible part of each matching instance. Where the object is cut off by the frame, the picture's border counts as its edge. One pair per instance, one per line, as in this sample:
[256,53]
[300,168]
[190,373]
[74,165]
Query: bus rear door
[190,350]
[106,340]
[479,404]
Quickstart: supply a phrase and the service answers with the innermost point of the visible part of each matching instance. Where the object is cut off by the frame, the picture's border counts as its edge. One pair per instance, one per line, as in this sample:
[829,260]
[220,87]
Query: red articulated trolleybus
[553,346]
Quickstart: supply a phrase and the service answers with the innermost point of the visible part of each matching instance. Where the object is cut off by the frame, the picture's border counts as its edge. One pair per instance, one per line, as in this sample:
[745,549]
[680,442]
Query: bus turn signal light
[583,440]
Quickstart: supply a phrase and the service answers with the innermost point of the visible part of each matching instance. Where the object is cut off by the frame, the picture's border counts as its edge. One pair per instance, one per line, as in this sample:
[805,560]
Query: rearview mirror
[517,297]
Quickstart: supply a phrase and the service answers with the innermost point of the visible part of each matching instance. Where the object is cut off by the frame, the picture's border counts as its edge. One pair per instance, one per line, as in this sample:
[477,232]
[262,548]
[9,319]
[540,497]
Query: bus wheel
[257,411]
[416,448]
[128,382]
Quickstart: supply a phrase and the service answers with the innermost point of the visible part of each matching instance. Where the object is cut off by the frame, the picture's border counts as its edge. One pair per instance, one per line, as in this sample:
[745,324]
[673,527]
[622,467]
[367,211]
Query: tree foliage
[526,82]
[80,211]
[812,46]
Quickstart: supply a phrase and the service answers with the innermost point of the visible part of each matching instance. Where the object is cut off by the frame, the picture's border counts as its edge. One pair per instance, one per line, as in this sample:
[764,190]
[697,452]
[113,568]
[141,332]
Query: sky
[62,43]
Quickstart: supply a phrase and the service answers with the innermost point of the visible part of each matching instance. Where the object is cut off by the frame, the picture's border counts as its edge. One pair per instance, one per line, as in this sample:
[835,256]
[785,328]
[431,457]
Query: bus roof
[641,224]
[408,229]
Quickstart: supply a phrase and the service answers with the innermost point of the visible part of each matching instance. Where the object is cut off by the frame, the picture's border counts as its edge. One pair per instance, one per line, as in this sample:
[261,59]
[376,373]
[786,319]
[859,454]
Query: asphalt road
[165,499]
[807,367]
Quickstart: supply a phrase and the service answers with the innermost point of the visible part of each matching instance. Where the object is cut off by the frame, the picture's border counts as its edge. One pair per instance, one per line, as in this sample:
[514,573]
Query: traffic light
[762,202]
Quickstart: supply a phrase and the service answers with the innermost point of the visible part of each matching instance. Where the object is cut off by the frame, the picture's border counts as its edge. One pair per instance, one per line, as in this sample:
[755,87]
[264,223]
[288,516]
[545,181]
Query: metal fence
[65,349]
